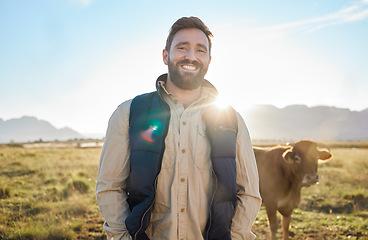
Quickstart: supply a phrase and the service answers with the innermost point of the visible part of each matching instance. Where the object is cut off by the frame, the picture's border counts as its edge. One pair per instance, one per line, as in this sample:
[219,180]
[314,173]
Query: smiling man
[173,165]
[188,58]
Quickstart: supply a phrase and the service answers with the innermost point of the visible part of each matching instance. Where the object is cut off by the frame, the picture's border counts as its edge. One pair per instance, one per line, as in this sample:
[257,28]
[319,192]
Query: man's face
[188,58]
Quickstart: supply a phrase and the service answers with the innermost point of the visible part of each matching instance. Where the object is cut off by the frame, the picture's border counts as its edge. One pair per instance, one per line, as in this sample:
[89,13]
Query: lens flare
[154,129]
[148,134]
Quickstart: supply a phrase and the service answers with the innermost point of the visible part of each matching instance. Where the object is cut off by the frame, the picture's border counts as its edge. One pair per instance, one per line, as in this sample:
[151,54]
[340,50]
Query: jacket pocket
[168,158]
[202,149]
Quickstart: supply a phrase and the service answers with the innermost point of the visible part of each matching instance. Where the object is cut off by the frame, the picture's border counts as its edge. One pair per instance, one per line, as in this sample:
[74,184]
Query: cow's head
[304,156]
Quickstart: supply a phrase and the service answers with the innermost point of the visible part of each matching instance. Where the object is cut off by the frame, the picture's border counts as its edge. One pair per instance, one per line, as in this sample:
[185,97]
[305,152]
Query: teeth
[188,67]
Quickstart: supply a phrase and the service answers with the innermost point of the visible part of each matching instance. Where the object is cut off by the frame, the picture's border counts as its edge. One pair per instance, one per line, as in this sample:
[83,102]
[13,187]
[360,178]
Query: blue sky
[72,62]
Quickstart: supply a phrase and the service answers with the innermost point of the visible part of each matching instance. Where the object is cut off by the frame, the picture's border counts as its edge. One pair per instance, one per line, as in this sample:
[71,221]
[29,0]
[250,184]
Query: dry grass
[48,193]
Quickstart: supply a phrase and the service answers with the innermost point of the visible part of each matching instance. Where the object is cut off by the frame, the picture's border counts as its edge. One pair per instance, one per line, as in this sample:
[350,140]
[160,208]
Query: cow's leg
[285,226]
[272,219]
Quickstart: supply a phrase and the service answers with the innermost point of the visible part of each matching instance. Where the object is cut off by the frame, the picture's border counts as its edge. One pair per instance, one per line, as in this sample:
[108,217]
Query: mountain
[301,122]
[264,122]
[27,129]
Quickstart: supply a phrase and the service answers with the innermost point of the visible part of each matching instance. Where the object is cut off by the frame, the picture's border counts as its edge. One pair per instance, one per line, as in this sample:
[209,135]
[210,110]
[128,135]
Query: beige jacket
[185,182]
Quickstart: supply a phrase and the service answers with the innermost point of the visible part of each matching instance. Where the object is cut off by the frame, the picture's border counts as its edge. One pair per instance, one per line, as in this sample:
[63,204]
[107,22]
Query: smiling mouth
[190,68]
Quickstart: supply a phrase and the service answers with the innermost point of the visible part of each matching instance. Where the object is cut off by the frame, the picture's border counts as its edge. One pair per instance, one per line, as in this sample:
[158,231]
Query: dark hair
[188,22]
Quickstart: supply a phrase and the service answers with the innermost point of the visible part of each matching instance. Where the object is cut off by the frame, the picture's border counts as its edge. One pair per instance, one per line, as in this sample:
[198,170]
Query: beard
[187,80]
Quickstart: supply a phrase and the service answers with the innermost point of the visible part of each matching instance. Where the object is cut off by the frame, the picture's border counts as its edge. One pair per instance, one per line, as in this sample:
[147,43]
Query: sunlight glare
[220,102]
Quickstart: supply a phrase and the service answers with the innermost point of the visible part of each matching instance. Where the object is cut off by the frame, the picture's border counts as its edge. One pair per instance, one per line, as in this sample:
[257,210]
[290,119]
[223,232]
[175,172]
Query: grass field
[48,193]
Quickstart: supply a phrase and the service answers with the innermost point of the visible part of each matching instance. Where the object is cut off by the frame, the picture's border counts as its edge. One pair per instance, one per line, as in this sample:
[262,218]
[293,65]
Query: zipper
[135,235]
[213,196]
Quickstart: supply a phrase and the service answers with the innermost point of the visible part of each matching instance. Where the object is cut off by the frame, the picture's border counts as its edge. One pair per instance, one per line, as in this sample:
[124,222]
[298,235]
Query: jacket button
[182,210]
[184,123]
[183,151]
[182,180]
[175,101]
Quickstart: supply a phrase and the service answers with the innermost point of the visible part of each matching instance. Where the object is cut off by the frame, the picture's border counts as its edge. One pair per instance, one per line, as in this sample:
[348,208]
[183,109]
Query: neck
[186,97]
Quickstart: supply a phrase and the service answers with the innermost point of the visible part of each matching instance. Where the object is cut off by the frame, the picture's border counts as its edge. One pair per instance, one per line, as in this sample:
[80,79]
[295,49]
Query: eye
[202,51]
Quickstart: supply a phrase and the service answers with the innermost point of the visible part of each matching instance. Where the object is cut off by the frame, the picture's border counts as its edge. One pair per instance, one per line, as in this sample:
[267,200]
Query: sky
[72,62]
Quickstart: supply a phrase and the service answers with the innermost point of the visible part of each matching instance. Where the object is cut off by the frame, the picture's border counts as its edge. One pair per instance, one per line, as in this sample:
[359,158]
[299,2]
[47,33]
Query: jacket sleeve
[249,199]
[113,173]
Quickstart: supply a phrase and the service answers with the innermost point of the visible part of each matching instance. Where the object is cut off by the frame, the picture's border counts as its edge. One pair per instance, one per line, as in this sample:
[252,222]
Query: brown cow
[283,171]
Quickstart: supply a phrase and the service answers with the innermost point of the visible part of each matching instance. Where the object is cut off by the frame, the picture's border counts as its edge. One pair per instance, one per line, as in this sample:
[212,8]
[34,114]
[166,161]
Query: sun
[221,102]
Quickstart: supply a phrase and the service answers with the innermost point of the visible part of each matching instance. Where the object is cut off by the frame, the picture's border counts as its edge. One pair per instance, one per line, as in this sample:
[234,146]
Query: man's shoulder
[146,94]
[125,106]
[242,126]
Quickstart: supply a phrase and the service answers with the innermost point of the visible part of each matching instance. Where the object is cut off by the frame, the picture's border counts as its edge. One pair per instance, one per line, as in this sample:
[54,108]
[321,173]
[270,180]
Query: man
[173,166]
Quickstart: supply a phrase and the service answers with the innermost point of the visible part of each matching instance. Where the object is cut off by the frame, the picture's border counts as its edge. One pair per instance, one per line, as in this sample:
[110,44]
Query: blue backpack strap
[222,129]
[148,126]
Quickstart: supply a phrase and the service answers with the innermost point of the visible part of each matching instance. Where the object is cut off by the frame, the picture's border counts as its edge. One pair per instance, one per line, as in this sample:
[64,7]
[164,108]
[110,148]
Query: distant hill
[299,122]
[26,129]
[265,122]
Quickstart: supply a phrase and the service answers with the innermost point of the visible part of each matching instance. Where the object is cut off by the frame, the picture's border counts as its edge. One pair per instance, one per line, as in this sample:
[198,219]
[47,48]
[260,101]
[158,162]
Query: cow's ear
[324,155]
[290,156]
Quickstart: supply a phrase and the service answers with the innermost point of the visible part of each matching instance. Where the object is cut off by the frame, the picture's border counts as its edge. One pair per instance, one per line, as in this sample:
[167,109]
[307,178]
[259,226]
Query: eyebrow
[187,43]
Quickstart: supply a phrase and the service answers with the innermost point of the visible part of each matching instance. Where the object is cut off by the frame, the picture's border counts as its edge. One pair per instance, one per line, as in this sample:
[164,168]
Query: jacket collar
[207,88]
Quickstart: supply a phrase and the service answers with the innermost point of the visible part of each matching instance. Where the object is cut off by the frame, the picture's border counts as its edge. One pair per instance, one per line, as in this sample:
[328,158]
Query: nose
[309,180]
[312,178]
[190,55]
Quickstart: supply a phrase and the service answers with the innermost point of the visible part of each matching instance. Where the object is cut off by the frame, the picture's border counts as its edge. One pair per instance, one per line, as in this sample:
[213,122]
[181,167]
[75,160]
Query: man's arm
[113,173]
[248,196]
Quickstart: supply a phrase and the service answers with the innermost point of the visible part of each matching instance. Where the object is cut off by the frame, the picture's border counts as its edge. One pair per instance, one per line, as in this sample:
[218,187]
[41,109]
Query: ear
[290,156]
[324,155]
[165,57]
